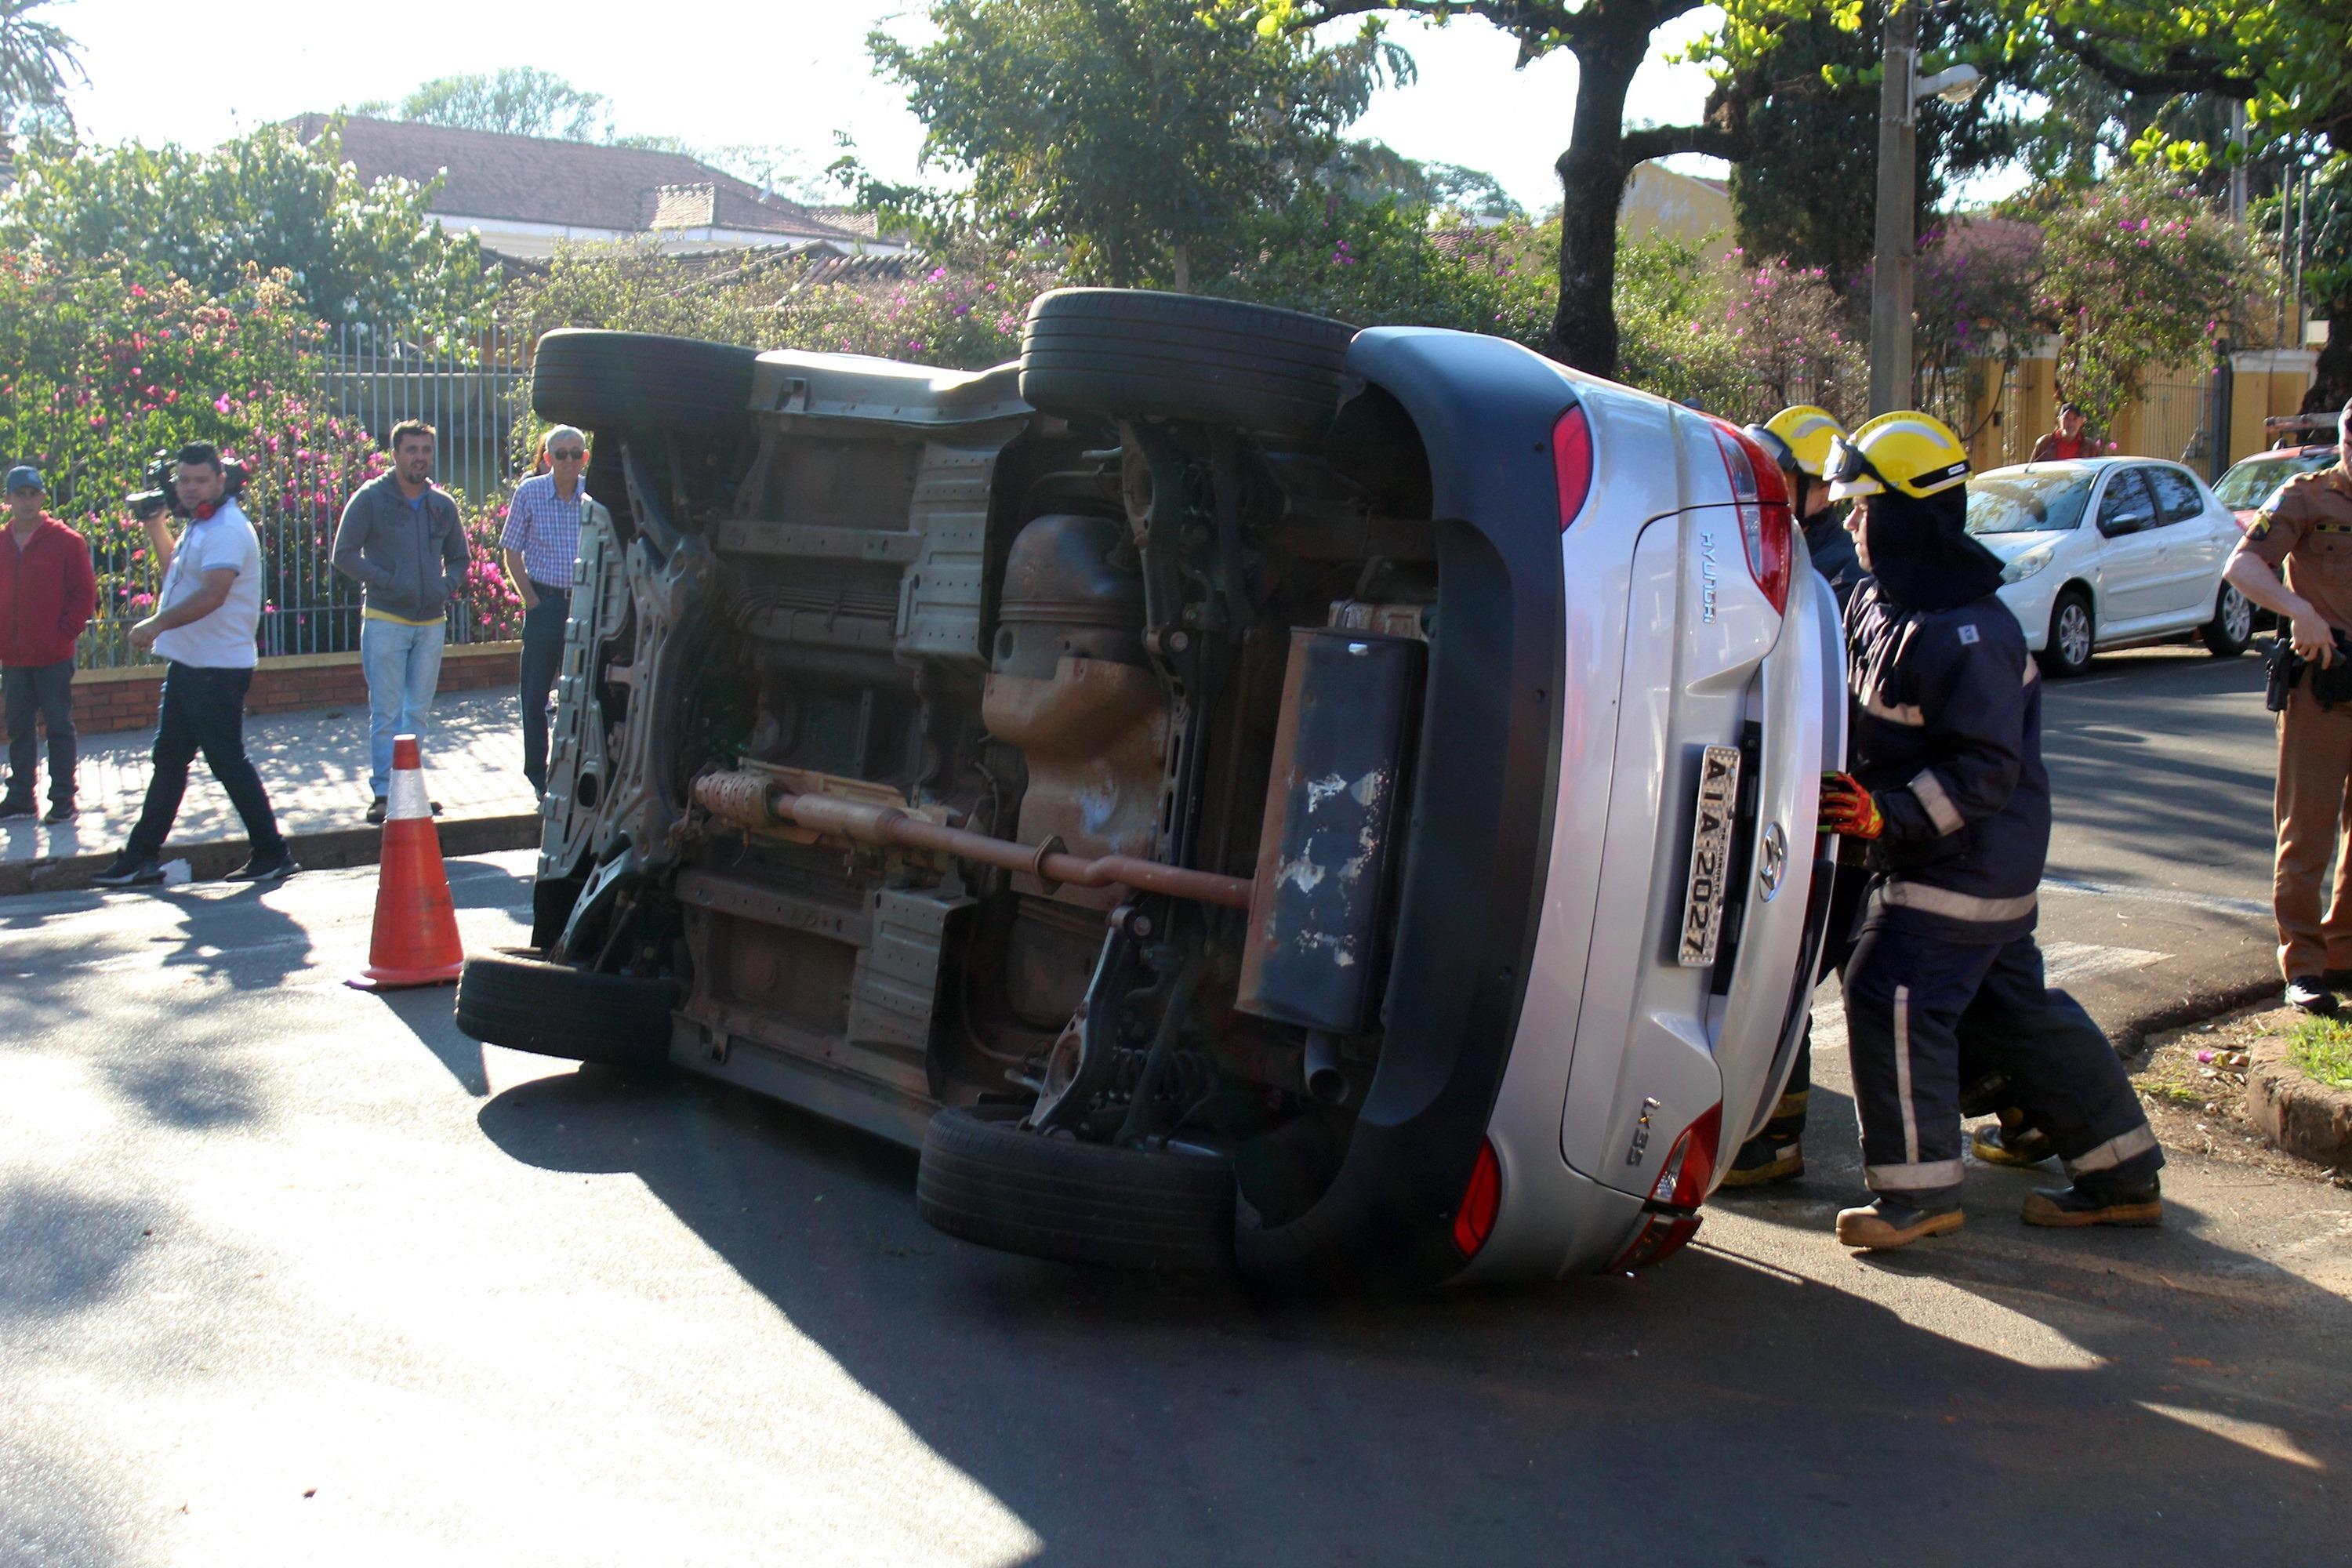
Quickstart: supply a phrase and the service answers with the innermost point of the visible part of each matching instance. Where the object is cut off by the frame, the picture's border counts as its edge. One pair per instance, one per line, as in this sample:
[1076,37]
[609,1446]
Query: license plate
[1710,870]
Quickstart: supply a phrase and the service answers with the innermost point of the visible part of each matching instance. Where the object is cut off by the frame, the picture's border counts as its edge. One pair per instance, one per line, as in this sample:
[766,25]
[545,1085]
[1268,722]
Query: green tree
[354,252]
[1139,134]
[35,59]
[1610,39]
[2137,273]
[521,100]
[1372,172]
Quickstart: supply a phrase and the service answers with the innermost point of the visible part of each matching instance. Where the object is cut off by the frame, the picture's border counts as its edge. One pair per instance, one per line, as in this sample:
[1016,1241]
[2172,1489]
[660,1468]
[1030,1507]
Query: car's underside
[923,742]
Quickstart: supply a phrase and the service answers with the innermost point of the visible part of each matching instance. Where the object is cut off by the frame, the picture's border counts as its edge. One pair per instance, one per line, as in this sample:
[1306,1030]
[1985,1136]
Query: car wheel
[611,381]
[986,1178]
[528,1004]
[1114,353]
[2071,635]
[2232,629]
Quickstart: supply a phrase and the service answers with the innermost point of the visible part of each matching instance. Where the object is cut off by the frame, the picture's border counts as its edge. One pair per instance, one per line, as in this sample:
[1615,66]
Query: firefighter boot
[1778,1153]
[1890,1220]
[2010,1142]
[2094,1202]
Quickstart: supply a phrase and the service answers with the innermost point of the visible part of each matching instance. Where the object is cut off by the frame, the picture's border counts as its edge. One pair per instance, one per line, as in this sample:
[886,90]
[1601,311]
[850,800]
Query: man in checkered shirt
[541,543]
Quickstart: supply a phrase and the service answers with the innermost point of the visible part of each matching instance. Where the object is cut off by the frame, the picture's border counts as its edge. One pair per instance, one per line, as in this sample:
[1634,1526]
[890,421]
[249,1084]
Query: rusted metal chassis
[750,801]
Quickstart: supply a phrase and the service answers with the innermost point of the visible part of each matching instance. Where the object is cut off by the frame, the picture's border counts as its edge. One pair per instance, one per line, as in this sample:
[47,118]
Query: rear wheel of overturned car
[2073,634]
[987,1179]
[528,1004]
[639,380]
[1131,353]
[2232,630]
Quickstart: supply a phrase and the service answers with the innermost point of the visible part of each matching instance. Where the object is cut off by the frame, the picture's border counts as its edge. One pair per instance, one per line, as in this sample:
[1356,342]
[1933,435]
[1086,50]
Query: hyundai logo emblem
[1772,859]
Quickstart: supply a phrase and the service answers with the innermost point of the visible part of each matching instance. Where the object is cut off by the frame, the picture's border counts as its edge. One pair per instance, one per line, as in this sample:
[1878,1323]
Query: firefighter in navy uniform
[1799,439]
[1949,790]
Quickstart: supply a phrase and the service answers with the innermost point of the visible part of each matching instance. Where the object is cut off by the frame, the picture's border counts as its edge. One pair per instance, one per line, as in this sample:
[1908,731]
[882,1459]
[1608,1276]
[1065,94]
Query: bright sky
[715,72]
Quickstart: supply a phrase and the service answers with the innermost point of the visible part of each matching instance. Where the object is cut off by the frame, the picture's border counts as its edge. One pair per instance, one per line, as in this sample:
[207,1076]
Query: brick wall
[106,700]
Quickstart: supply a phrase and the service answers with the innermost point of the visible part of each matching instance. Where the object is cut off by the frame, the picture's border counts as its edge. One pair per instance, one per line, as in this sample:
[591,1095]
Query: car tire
[2232,630]
[987,1179]
[2073,634]
[1122,353]
[616,381]
[528,1004]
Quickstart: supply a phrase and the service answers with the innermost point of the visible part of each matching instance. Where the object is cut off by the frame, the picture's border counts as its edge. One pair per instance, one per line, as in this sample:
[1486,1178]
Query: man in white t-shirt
[211,609]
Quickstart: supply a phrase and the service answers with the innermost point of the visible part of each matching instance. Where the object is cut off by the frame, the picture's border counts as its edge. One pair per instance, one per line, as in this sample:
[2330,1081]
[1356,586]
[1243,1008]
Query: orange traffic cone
[415,940]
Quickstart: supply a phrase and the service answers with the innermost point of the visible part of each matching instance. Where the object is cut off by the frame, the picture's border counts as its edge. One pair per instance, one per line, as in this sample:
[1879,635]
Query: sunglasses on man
[571,455]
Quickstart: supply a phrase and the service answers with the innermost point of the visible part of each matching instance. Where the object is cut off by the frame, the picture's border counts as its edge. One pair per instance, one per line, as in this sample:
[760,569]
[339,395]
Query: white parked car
[2104,552]
[1227,789]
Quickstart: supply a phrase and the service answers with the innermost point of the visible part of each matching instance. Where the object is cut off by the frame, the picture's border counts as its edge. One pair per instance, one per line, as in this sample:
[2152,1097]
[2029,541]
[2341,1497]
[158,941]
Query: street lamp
[1899,97]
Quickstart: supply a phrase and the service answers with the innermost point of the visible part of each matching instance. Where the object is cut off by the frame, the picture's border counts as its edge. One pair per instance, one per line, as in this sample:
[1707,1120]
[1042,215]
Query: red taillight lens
[1762,496]
[1571,463]
[1473,1222]
[1656,1241]
[1682,1180]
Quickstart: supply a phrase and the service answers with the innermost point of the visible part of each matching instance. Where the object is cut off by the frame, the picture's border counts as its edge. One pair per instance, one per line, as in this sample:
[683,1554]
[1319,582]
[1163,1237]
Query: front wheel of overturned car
[528,1004]
[1131,353]
[641,381]
[2232,630]
[986,1178]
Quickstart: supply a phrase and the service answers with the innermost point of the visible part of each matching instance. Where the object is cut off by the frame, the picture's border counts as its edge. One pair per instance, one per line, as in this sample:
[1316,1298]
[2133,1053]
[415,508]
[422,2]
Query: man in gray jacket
[402,540]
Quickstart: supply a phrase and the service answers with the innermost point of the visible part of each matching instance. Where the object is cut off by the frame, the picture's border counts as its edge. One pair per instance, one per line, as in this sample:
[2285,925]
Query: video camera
[158,480]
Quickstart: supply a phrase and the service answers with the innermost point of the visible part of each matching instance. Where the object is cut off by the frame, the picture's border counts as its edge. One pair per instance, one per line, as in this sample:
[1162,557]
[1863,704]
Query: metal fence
[2176,420]
[471,391]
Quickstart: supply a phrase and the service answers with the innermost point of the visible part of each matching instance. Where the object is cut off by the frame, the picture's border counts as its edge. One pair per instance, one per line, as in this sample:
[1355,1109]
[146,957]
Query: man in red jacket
[48,591]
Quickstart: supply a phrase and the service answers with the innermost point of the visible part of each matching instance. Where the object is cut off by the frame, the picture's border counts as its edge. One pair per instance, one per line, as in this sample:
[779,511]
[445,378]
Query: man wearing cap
[540,546]
[2067,442]
[49,590]
[1949,790]
[2306,529]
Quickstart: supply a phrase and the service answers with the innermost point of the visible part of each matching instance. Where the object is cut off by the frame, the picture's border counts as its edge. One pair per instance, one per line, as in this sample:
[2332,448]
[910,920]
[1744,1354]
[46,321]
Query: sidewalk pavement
[314,766]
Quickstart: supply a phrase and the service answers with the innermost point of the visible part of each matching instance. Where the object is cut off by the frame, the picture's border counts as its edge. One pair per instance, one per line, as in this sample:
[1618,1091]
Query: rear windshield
[2026,503]
[2250,486]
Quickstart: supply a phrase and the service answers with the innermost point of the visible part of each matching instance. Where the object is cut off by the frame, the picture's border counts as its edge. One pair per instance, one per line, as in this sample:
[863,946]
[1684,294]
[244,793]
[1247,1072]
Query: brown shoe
[1889,1223]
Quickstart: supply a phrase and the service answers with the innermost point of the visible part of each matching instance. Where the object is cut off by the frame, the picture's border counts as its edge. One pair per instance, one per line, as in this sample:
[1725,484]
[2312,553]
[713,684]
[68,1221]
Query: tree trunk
[1593,174]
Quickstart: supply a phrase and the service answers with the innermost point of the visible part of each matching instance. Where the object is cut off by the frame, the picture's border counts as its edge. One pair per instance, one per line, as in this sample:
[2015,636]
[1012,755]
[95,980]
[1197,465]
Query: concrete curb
[2294,1111]
[2131,1036]
[323,851]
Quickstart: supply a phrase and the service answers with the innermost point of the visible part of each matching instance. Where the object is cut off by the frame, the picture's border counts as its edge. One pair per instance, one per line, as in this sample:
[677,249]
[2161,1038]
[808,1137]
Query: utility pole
[1898,185]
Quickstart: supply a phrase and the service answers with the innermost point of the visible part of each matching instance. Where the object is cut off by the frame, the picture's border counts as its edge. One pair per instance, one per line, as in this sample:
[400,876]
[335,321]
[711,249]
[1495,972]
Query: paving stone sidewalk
[314,766]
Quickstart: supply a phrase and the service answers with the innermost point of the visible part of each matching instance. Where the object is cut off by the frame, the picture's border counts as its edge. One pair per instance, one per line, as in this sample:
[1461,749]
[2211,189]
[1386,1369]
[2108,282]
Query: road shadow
[425,1012]
[1724,1406]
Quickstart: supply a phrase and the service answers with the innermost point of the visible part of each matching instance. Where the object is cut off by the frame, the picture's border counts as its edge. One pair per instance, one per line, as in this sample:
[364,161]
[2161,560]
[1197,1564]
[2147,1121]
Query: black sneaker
[14,810]
[2311,993]
[1887,1222]
[2098,1203]
[376,813]
[127,872]
[61,811]
[271,868]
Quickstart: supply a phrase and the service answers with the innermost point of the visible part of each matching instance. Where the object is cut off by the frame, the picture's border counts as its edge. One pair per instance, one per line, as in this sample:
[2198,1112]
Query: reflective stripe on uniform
[2106,1157]
[1913,1177]
[1909,714]
[1939,802]
[1903,1073]
[1955,906]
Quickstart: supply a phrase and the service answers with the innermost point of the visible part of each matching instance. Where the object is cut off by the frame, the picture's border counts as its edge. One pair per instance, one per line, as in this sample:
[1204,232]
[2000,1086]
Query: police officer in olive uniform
[1948,791]
[2307,529]
[1799,439]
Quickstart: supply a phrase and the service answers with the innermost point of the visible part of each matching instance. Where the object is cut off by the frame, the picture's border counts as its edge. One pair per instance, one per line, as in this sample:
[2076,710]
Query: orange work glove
[1847,809]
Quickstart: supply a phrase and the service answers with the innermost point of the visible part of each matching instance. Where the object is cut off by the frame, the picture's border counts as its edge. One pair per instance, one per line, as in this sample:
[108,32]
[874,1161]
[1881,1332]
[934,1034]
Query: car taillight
[1765,522]
[1690,1164]
[1571,463]
[1680,1188]
[1473,1222]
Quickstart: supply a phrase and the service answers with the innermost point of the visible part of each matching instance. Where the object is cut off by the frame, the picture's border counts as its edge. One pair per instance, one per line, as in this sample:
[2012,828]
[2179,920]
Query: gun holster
[2284,668]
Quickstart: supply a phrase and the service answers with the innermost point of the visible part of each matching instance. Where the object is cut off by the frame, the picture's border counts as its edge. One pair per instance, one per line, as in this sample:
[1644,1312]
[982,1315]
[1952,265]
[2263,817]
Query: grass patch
[2322,1048]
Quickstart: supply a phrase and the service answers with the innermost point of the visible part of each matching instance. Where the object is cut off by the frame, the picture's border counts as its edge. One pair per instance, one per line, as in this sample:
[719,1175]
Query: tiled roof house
[524,194]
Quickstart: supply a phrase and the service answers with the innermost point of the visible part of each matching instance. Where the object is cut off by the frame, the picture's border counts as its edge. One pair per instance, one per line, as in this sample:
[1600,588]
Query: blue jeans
[403,666]
[203,711]
[542,659]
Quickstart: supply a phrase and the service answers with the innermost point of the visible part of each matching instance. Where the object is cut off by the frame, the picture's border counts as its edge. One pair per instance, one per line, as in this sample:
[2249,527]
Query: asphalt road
[292,1274]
